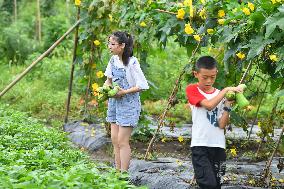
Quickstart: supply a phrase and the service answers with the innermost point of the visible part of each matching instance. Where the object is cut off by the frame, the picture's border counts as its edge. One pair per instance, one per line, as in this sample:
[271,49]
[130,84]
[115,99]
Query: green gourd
[104,89]
[241,100]
[230,95]
[113,91]
[239,97]
[102,98]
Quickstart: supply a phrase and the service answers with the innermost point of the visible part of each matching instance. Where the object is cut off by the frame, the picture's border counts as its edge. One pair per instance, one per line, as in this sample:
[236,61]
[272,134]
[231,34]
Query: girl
[123,110]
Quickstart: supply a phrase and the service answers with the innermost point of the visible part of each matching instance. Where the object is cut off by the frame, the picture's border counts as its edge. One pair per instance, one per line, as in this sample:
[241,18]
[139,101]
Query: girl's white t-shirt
[134,74]
[205,128]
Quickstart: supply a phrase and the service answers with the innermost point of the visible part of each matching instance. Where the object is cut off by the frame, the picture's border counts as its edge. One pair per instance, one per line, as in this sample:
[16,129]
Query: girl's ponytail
[127,39]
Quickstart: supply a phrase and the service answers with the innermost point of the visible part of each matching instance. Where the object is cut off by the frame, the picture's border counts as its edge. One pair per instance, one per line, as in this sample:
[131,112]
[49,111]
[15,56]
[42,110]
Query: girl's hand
[120,93]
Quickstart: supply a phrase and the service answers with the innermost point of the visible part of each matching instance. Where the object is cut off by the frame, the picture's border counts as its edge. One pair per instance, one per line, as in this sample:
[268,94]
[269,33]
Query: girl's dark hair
[124,37]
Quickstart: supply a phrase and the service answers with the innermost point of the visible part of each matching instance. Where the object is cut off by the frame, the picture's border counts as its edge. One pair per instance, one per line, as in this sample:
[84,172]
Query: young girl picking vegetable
[124,109]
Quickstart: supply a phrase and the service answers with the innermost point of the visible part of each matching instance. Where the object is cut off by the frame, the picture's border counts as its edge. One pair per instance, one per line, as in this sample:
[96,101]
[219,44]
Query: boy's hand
[238,89]
[228,103]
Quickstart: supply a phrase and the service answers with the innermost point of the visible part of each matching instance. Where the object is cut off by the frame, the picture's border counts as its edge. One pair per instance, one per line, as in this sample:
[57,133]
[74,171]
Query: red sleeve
[194,97]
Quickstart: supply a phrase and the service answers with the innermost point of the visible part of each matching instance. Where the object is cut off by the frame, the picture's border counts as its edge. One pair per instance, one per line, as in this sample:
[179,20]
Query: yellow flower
[210,31]
[77,2]
[94,66]
[188,29]
[203,2]
[241,55]
[179,163]
[275,1]
[197,38]
[163,139]
[110,17]
[221,13]
[95,86]
[246,11]
[143,24]
[187,3]
[281,180]
[180,139]
[234,10]
[259,124]
[180,14]
[273,57]
[252,182]
[233,152]
[221,21]
[100,74]
[97,42]
[202,13]
[251,6]
[191,11]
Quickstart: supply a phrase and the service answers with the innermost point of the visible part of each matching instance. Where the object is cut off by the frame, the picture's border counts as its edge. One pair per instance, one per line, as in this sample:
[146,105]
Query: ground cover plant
[33,156]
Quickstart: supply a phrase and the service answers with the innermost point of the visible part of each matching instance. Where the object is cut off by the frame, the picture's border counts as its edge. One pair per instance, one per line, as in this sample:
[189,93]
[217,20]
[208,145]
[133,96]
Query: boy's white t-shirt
[205,128]
[134,74]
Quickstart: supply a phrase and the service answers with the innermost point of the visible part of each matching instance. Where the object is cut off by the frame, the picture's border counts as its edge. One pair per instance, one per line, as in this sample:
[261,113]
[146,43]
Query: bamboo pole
[270,120]
[246,72]
[258,108]
[266,170]
[164,11]
[72,68]
[15,10]
[169,104]
[38,22]
[46,53]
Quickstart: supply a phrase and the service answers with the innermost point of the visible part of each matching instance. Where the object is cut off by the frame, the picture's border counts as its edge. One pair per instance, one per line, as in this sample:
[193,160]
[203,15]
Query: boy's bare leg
[114,139]
[124,147]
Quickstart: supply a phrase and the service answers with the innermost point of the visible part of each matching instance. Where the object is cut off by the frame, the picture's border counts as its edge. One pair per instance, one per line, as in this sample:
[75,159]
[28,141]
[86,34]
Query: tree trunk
[15,10]
[38,22]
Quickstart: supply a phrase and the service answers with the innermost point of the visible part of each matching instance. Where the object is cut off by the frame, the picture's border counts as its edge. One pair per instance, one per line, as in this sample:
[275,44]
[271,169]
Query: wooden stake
[170,99]
[270,120]
[15,11]
[72,68]
[246,72]
[38,24]
[258,108]
[266,170]
[46,53]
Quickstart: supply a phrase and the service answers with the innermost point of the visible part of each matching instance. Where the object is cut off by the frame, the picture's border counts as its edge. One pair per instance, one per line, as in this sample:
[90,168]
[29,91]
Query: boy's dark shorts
[207,164]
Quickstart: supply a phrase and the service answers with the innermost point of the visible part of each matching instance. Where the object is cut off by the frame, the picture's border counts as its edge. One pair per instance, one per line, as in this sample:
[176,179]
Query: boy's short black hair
[206,62]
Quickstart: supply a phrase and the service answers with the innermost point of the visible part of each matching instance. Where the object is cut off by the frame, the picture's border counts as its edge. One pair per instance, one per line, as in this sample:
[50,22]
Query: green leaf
[257,45]
[280,93]
[272,22]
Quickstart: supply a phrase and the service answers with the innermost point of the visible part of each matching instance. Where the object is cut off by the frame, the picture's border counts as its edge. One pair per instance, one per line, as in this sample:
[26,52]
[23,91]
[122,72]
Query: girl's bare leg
[124,147]
[114,139]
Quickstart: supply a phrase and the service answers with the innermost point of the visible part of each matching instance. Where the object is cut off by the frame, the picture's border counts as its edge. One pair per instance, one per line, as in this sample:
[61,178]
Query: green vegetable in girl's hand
[113,91]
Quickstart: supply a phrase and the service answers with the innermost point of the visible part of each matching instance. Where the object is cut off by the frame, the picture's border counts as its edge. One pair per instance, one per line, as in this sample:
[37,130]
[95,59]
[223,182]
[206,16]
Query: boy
[210,115]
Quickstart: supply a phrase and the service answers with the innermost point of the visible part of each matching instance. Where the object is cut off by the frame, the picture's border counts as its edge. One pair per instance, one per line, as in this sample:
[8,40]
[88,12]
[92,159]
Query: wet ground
[170,165]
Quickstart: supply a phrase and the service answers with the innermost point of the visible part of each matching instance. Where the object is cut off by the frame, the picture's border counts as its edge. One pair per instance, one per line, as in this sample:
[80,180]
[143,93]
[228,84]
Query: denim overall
[123,111]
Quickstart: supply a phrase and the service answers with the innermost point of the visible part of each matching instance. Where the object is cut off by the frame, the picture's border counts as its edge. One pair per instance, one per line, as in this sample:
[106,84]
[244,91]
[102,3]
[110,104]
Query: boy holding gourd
[210,115]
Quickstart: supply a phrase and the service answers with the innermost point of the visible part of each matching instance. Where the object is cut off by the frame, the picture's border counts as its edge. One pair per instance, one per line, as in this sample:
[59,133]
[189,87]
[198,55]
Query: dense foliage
[33,156]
